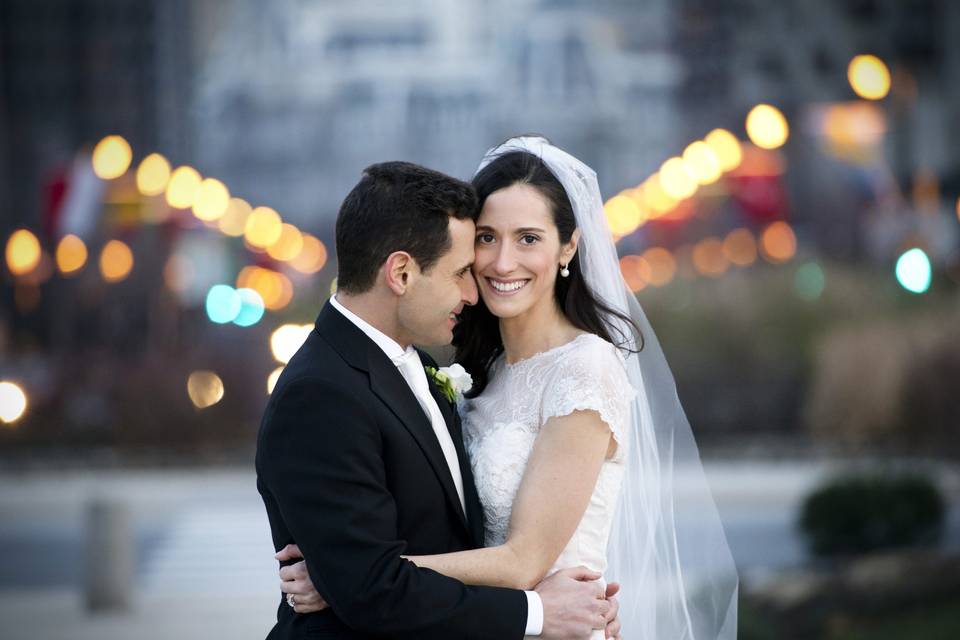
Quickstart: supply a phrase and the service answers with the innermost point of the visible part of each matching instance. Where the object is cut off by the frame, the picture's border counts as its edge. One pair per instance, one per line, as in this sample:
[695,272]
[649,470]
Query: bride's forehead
[516,206]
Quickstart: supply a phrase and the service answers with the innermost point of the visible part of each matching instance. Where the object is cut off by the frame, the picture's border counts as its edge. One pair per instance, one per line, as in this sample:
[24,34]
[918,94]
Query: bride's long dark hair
[477,336]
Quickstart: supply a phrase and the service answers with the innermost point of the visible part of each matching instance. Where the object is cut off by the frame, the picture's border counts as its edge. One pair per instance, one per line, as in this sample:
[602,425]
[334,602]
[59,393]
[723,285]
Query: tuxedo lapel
[470,497]
[388,385]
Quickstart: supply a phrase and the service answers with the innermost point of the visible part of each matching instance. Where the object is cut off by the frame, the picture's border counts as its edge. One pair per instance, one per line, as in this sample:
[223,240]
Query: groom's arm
[321,460]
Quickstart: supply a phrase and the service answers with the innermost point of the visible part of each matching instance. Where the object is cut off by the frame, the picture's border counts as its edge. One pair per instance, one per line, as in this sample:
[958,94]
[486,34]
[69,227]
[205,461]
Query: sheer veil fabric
[667,546]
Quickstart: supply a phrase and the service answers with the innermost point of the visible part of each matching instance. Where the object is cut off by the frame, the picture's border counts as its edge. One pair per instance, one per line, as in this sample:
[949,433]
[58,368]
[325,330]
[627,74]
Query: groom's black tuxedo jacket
[350,469]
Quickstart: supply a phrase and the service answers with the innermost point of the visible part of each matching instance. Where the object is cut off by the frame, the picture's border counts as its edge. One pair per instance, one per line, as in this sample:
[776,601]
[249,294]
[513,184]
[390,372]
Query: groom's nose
[468,290]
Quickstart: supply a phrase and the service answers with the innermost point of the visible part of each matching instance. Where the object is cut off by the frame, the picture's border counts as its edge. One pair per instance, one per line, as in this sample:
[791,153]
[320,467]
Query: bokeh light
[274,288]
[702,162]
[288,245]
[869,77]
[71,254]
[111,157]
[676,179]
[662,266]
[767,127]
[726,147]
[854,129]
[183,187]
[234,220]
[778,242]
[809,281]
[312,257]
[657,201]
[13,402]
[740,247]
[116,261]
[223,303]
[263,227]
[211,201]
[251,308]
[272,379]
[913,271]
[636,272]
[205,389]
[22,252]
[709,259]
[286,339]
[153,174]
[623,215]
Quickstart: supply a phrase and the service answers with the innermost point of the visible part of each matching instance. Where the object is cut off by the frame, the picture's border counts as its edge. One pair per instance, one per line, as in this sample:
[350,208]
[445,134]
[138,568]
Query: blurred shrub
[747,348]
[888,382]
[860,514]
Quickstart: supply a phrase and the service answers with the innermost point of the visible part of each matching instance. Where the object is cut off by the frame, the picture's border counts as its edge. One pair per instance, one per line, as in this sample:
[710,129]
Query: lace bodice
[501,425]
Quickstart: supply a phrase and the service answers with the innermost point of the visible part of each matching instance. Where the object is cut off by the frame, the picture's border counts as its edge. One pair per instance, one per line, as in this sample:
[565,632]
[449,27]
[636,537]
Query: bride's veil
[667,547]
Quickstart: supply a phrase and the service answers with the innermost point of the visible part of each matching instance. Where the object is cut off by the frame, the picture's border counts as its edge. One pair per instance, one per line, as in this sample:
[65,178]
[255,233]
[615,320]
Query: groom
[360,457]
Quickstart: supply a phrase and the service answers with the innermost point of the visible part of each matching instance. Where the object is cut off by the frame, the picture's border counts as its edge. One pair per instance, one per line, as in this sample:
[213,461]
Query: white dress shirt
[408,362]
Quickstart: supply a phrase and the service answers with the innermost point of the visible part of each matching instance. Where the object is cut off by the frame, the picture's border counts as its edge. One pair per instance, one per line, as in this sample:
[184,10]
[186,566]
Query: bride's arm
[556,488]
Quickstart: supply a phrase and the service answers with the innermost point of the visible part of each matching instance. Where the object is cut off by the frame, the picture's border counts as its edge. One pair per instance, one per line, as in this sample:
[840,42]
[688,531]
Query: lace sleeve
[590,377]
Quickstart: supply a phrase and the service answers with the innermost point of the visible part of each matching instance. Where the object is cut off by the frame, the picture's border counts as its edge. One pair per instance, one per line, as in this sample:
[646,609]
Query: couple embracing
[408,501]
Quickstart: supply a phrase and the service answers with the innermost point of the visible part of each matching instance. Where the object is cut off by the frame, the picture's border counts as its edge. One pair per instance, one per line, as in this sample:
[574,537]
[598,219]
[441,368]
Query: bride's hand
[295,581]
[612,615]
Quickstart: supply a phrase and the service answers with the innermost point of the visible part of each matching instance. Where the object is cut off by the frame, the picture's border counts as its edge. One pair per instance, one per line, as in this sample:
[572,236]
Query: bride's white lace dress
[500,427]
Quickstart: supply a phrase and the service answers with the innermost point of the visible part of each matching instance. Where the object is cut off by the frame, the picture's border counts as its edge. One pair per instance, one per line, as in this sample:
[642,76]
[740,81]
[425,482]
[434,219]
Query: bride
[580,450]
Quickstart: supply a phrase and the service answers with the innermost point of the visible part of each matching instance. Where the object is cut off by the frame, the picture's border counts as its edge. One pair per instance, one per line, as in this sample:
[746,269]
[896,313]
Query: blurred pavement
[204,555]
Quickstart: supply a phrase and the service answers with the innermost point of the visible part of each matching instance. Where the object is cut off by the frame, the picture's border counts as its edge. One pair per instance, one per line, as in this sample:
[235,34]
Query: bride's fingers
[296,571]
[289,552]
[613,589]
[614,608]
[295,587]
[580,573]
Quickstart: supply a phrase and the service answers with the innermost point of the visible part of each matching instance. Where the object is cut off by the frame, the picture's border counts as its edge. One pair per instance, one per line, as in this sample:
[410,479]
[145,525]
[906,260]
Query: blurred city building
[293,100]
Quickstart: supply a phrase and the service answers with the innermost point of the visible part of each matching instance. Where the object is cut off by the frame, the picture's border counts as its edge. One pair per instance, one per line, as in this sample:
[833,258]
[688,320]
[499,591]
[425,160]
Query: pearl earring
[564,272]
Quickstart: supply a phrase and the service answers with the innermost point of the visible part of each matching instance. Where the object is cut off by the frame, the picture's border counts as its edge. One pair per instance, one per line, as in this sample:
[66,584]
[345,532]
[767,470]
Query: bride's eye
[528,239]
[485,238]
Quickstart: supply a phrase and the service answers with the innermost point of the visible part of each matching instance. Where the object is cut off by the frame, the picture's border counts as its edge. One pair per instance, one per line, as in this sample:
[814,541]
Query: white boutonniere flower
[453,381]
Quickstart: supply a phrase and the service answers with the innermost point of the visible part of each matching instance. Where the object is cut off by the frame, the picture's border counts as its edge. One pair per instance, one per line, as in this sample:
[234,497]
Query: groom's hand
[295,581]
[573,604]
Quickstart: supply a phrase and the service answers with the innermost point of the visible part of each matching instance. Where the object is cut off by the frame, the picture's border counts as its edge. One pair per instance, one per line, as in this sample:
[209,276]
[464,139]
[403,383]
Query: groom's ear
[397,270]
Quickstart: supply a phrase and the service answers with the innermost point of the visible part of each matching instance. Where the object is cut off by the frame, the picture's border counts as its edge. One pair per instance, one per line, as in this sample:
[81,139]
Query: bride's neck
[539,329]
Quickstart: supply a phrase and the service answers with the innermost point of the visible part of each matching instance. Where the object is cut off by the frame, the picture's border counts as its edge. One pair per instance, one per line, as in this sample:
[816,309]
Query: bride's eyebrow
[522,230]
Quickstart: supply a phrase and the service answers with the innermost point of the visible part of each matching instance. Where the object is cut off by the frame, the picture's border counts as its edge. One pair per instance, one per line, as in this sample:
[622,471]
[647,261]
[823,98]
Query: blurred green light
[809,281]
[223,303]
[913,271]
[251,308]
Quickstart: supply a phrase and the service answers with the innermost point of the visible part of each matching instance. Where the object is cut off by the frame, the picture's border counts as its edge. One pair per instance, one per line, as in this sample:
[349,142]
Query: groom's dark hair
[397,206]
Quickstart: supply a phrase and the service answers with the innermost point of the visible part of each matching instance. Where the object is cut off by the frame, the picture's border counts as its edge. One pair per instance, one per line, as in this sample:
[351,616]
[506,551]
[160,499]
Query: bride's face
[518,251]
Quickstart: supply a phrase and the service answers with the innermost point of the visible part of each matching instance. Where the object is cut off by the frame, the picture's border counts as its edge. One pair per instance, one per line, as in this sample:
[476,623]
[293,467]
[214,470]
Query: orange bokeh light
[663,266]
[740,247]
[778,243]
[274,287]
[636,272]
[313,255]
[709,259]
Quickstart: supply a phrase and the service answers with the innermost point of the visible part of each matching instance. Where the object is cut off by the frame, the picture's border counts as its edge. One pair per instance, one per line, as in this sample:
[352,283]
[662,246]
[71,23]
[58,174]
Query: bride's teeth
[505,287]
